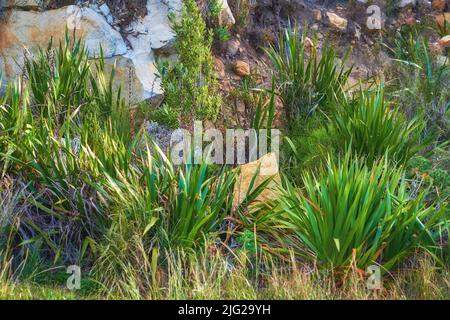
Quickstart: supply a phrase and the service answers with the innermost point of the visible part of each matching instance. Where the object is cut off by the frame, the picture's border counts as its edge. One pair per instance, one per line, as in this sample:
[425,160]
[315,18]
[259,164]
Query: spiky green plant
[307,81]
[355,211]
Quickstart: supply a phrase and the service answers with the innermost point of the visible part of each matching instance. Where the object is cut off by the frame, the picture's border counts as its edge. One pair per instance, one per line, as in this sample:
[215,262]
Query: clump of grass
[420,82]
[308,82]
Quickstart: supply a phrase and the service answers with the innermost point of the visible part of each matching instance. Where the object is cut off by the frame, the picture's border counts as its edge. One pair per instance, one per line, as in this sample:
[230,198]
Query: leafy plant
[371,128]
[222,34]
[307,82]
[420,82]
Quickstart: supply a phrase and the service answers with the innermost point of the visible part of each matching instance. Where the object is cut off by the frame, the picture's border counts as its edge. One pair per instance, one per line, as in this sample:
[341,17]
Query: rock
[28,26]
[104,9]
[268,169]
[138,82]
[438,4]
[405,3]
[317,14]
[444,42]
[337,21]
[219,67]
[226,17]
[242,68]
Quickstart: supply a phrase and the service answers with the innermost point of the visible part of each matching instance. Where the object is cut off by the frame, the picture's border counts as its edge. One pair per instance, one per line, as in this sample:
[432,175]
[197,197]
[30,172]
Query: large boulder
[32,29]
[26,25]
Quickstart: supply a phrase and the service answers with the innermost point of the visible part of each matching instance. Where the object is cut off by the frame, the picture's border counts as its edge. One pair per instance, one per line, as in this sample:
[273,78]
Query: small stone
[242,68]
[317,14]
[438,4]
[405,3]
[267,167]
[337,21]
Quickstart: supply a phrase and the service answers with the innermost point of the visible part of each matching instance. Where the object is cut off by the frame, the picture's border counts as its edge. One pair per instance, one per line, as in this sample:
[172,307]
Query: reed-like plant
[356,213]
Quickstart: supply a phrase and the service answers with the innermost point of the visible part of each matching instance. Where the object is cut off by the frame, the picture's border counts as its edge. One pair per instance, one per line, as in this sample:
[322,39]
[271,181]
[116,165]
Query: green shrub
[353,209]
[189,83]
[371,128]
[420,82]
[307,82]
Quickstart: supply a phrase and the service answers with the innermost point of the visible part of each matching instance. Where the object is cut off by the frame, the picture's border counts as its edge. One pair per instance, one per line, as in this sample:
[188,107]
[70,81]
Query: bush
[354,211]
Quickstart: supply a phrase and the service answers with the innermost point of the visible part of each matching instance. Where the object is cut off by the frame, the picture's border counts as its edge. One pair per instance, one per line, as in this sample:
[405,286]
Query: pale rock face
[28,27]
[337,21]
[152,34]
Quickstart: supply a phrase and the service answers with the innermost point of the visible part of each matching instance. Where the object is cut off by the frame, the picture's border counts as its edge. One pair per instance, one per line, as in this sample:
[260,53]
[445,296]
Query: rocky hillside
[131,43]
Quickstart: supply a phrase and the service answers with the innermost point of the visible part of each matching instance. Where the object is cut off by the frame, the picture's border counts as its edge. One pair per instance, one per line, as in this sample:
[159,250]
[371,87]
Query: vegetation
[364,179]
[190,83]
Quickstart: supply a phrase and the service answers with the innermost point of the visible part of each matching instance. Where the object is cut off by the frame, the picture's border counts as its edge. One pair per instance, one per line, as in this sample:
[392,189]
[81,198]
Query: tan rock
[337,21]
[268,169]
[233,47]
[219,67]
[444,42]
[438,4]
[33,29]
[242,68]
